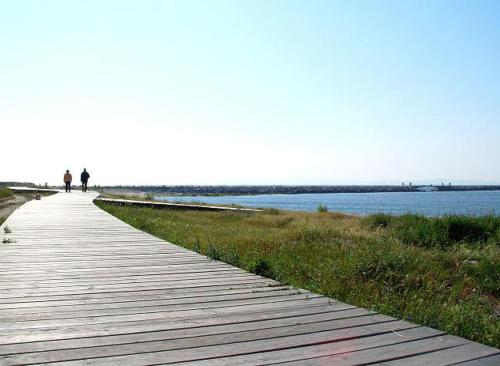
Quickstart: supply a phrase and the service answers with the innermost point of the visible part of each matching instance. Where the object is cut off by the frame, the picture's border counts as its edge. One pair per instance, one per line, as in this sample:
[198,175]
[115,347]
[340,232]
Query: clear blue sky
[227,92]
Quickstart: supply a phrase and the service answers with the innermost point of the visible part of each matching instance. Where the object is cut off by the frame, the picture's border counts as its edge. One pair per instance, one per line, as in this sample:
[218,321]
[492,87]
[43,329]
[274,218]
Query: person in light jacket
[67,181]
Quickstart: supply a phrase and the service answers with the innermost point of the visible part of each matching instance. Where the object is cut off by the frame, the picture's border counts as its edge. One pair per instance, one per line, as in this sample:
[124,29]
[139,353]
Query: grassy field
[444,273]
[6,193]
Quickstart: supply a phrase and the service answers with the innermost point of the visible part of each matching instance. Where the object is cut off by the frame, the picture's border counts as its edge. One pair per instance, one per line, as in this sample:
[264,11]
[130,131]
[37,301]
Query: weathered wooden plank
[166,291]
[13,316]
[140,300]
[61,285]
[105,288]
[144,267]
[49,277]
[178,321]
[266,351]
[154,314]
[396,351]
[360,351]
[362,326]
[346,318]
[461,355]
[133,297]
[493,360]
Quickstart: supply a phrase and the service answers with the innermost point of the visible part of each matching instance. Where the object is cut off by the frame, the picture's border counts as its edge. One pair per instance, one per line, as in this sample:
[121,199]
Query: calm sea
[426,203]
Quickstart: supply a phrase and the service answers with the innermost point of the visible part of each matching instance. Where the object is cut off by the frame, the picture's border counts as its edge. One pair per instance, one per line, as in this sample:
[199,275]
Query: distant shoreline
[241,190]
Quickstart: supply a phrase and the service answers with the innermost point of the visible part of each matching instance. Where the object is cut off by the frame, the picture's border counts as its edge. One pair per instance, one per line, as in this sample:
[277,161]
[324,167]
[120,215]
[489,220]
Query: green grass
[372,262]
[6,193]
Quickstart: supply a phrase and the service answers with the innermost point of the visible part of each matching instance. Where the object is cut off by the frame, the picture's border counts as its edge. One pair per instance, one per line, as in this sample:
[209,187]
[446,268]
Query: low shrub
[196,247]
[378,220]
[149,196]
[418,230]
[438,232]
[233,258]
[262,267]
[322,208]
[213,253]
[460,229]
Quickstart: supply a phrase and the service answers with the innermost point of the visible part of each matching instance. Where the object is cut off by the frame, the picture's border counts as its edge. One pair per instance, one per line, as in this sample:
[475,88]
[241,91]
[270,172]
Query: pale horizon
[284,92]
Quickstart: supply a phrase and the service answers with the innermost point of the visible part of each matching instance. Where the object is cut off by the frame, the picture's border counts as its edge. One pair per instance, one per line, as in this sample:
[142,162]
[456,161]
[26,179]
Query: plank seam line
[121,302]
[475,359]
[124,275]
[414,354]
[125,291]
[208,293]
[147,306]
[161,311]
[153,280]
[380,360]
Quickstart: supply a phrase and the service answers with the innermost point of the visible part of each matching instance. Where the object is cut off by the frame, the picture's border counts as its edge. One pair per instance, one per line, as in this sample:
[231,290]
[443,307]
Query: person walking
[84,178]
[67,181]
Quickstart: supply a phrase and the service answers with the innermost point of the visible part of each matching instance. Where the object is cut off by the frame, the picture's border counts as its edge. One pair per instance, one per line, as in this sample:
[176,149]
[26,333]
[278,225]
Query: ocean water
[426,203]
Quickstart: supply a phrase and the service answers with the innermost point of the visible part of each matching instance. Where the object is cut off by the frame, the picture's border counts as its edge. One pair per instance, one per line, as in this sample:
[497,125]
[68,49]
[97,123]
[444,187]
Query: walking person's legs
[67,186]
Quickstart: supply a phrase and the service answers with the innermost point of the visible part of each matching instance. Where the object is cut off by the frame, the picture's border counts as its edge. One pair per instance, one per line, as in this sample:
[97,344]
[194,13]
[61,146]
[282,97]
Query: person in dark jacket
[84,178]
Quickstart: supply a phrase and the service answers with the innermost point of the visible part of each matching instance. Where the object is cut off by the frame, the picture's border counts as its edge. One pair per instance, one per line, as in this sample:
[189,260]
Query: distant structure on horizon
[430,188]
[210,190]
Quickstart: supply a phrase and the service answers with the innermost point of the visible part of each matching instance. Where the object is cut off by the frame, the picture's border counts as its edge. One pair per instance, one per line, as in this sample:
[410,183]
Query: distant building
[427,189]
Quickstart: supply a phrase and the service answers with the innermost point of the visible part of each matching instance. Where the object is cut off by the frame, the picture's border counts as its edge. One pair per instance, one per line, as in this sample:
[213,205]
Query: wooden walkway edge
[80,287]
[175,206]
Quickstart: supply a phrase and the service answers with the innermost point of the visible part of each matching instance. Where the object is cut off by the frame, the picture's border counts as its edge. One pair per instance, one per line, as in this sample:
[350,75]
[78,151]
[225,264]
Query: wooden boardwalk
[80,287]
